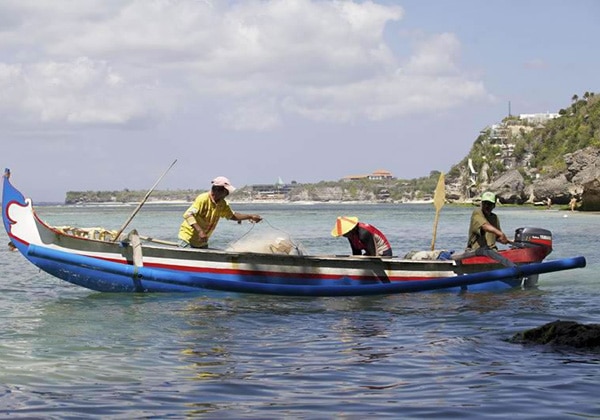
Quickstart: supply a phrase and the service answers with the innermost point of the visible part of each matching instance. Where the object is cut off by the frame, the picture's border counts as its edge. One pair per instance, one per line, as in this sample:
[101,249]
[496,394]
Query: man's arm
[191,220]
[238,217]
[355,251]
[500,236]
[367,238]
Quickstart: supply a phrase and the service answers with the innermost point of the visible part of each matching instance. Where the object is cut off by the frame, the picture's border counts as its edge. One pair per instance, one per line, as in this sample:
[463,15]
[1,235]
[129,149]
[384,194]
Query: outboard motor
[529,236]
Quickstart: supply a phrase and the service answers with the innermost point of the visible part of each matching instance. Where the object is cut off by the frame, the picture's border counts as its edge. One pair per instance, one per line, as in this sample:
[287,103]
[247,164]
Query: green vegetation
[128,196]
[534,148]
[577,128]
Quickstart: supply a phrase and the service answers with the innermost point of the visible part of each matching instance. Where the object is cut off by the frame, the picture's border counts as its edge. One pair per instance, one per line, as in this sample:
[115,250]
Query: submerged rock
[562,333]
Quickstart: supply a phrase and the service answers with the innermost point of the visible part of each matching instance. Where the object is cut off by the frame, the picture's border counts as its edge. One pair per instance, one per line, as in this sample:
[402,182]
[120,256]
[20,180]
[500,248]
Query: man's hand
[201,234]
[503,239]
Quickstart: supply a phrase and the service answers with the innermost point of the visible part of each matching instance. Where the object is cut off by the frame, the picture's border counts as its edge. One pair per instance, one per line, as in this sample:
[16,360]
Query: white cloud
[80,91]
[120,61]
[435,56]
[256,114]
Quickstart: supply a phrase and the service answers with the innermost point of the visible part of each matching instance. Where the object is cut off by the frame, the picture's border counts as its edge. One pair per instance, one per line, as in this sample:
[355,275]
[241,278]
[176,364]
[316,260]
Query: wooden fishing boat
[130,264]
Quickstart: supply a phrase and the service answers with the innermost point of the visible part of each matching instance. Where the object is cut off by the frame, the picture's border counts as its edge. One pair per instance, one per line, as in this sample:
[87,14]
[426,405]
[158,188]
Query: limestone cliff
[532,161]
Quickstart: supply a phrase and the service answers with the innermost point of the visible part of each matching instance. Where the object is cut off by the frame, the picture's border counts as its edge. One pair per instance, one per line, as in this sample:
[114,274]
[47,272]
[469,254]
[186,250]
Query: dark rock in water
[562,333]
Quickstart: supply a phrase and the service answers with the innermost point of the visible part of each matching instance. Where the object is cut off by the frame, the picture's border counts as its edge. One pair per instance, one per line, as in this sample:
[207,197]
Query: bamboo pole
[139,206]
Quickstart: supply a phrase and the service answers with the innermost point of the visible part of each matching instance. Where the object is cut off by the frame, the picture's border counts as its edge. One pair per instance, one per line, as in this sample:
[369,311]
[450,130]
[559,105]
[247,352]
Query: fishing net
[272,242]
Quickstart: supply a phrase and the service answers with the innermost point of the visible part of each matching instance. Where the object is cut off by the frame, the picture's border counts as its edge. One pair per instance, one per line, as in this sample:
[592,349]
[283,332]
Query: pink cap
[221,181]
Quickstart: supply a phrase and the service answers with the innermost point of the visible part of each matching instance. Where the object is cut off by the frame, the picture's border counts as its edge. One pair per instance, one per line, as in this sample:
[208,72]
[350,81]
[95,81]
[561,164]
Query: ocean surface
[67,352]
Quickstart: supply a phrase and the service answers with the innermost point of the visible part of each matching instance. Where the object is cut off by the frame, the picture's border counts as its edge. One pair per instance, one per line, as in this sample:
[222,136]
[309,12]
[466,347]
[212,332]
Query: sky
[106,94]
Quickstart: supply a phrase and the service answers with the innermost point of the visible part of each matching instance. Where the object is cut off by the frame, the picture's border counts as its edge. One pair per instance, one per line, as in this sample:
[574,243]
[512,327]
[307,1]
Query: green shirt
[479,237]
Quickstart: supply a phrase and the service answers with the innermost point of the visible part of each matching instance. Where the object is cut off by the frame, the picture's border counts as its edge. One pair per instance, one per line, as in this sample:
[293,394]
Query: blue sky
[105,94]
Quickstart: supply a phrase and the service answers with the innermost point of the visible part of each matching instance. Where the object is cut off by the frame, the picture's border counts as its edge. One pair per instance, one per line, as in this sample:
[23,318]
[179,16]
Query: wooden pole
[439,198]
[142,203]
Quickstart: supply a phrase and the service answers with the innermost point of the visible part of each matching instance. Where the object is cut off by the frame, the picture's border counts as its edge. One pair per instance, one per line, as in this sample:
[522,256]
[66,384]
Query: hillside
[535,149]
[513,157]
[528,161]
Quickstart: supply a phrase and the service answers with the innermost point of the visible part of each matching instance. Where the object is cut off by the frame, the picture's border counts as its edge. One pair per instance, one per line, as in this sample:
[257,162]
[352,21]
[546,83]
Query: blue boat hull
[112,277]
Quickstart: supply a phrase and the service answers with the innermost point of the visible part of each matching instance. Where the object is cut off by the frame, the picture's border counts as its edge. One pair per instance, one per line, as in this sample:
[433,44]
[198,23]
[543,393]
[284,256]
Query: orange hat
[343,225]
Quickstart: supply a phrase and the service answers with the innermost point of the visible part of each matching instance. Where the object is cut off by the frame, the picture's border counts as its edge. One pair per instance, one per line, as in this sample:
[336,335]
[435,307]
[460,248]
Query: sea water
[68,352]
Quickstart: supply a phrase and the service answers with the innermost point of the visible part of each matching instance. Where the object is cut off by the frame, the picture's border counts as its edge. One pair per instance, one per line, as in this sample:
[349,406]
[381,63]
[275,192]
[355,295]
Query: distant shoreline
[183,203]
[232,202]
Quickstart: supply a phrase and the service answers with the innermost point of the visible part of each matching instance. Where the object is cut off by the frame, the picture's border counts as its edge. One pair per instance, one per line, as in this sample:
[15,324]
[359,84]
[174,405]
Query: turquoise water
[67,352]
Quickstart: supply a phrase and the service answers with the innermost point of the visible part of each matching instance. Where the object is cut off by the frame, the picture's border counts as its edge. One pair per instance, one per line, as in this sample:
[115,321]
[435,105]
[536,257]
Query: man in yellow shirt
[202,217]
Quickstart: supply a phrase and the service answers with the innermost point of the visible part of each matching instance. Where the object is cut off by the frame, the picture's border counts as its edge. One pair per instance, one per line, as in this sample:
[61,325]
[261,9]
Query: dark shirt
[368,238]
[477,236]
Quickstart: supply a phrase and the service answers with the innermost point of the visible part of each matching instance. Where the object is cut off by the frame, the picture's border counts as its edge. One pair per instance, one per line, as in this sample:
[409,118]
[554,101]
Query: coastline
[236,202]
[283,202]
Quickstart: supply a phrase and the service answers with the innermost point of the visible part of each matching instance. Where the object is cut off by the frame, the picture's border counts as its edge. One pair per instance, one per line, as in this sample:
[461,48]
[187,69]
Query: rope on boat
[245,234]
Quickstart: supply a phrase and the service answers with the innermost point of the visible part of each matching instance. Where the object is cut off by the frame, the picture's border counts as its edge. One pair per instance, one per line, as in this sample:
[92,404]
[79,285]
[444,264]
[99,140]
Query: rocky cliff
[580,179]
[531,162]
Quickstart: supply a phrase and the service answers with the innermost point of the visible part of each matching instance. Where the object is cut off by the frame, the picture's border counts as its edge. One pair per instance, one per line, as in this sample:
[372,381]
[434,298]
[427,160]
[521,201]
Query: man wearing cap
[362,237]
[484,230]
[200,220]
